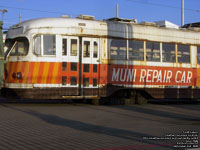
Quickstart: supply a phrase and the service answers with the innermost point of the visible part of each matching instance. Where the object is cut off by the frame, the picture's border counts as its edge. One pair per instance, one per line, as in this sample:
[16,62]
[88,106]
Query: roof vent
[65,16]
[192,26]
[86,17]
[149,24]
[196,25]
[167,24]
[122,20]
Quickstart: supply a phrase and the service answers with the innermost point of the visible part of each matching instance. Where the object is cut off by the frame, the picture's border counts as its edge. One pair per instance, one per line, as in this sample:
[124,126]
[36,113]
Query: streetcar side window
[118,49]
[95,52]
[168,52]
[86,67]
[86,49]
[94,81]
[136,50]
[86,82]
[37,45]
[198,54]
[74,47]
[73,81]
[44,45]
[153,51]
[49,43]
[64,80]
[94,68]
[73,66]
[64,47]
[183,53]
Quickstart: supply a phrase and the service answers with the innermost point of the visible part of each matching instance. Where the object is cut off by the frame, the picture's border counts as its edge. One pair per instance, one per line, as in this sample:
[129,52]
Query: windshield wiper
[8,51]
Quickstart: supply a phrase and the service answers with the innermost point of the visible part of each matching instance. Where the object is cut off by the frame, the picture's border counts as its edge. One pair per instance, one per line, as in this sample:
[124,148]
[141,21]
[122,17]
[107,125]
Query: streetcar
[84,58]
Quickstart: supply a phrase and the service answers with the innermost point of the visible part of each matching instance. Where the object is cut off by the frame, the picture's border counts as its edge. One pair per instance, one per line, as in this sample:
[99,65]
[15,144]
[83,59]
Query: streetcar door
[70,65]
[90,66]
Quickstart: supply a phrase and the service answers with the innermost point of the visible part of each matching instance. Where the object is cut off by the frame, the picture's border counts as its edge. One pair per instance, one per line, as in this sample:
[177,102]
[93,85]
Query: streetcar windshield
[17,47]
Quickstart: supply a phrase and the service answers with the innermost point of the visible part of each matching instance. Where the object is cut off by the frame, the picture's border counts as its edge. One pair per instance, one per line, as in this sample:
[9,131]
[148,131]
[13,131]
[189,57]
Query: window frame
[182,54]
[13,43]
[72,79]
[87,49]
[138,50]
[115,57]
[77,47]
[95,50]
[198,50]
[42,45]
[163,53]
[64,46]
[152,49]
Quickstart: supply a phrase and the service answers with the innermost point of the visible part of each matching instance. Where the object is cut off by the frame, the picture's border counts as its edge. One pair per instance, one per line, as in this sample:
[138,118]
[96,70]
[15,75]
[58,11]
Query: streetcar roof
[105,28]
[54,22]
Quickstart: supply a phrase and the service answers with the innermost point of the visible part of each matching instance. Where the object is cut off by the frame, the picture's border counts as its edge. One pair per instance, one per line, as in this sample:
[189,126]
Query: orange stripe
[45,72]
[55,73]
[8,70]
[30,73]
[35,72]
[59,74]
[26,70]
[50,72]
[18,69]
[22,71]
[39,78]
[15,64]
[13,69]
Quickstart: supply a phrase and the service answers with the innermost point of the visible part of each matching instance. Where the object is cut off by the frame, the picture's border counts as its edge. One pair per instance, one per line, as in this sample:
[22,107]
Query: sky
[142,10]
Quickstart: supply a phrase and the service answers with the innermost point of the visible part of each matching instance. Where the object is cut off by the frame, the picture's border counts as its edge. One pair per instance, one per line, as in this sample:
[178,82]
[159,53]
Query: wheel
[140,100]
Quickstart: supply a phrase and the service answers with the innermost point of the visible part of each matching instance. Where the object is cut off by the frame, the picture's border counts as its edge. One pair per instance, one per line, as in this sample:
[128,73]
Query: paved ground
[89,127]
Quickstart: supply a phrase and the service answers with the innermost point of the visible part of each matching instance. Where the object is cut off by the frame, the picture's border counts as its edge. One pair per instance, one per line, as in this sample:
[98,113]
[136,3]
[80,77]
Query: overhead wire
[161,5]
[134,1]
[28,9]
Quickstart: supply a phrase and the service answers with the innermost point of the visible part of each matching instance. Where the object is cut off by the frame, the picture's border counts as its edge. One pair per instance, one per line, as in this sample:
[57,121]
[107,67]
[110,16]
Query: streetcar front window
[17,47]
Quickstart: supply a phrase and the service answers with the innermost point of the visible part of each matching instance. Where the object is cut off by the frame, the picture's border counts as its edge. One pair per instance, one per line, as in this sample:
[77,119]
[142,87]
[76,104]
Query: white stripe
[25,86]
[28,86]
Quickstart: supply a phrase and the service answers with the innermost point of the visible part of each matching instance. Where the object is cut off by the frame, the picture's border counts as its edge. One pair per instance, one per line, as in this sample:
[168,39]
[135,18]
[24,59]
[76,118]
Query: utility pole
[182,13]
[2,61]
[3,11]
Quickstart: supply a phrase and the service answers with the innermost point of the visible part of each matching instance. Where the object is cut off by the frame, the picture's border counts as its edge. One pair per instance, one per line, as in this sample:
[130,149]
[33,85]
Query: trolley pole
[182,13]
[117,11]
[20,18]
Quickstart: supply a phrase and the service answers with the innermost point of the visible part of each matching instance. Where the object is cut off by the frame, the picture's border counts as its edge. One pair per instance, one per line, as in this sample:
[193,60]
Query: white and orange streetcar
[81,58]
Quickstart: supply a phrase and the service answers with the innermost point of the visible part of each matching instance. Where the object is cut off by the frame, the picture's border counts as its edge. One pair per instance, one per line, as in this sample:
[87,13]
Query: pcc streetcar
[81,58]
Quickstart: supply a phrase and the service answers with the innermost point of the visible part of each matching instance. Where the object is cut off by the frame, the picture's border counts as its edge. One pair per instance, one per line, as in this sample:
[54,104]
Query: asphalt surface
[89,127]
